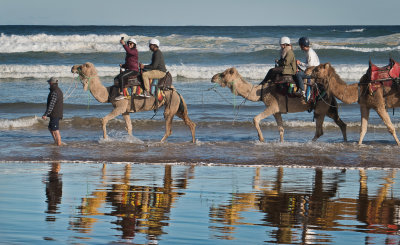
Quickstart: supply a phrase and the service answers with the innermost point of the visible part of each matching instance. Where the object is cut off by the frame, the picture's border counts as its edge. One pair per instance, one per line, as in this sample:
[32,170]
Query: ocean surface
[227,141]
[29,55]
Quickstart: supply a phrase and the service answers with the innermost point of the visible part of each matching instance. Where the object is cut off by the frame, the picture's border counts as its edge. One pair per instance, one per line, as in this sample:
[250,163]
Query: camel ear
[327,65]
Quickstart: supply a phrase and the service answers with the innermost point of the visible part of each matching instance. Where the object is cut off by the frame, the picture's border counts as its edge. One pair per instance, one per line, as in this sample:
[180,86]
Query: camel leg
[114,113]
[279,122]
[128,122]
[333,113]
[319,121]
[168,125]
[364,122]
[256,120]
[386,119]
[184,116]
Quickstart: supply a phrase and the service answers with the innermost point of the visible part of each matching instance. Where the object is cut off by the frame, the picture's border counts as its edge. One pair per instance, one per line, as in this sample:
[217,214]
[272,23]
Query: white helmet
[132,40]
[155,42]
[284,40]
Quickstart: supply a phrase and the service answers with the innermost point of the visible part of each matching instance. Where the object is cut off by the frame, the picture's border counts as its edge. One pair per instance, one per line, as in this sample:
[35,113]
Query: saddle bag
[165,82]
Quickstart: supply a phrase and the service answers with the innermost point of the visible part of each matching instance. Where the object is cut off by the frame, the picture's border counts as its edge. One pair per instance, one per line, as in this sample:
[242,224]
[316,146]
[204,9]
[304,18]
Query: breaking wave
[249,71]
[96,43]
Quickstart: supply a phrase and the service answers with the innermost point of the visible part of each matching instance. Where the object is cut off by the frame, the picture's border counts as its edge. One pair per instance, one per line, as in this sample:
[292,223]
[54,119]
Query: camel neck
[344,92]
[97,89]
[245,89]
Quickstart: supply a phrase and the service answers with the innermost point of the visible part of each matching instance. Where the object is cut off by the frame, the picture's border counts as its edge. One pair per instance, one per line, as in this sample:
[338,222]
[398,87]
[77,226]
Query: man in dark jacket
[156,70]
[54,109]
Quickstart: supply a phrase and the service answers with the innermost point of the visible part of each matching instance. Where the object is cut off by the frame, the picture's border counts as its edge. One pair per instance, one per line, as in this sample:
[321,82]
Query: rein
[234,96]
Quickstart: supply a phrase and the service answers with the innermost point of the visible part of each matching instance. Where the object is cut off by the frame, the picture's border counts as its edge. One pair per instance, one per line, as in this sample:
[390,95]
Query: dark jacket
[157,62]
[131,59]
[55,102]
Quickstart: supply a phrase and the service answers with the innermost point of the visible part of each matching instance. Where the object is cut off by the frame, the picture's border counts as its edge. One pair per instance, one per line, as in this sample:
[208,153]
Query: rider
[311,60]
[156,70]
[131,64]
[286,63]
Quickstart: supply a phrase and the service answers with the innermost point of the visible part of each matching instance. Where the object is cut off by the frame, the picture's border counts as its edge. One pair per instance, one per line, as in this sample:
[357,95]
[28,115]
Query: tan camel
[277,103]
[382,98]
[173,102]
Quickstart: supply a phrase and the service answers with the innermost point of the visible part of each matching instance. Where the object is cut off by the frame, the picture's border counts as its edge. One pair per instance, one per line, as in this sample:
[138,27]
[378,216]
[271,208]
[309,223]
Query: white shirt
[311,59]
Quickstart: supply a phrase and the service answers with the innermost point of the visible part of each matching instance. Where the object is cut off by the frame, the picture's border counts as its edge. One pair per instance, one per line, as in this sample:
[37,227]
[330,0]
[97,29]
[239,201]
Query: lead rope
[69,91]
[234,99]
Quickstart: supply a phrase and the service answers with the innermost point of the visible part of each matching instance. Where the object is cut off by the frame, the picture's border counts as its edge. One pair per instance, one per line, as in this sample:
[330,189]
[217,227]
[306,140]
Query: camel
[278,104]
[382,98]
[173,102]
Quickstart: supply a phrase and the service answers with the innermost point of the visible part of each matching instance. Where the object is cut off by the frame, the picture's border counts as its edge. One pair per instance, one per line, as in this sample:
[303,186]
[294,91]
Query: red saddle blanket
[388,72]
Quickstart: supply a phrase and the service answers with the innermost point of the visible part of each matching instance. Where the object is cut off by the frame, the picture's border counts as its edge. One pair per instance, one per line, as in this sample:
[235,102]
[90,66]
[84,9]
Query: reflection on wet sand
[53,191]
[296,214]
[140,209]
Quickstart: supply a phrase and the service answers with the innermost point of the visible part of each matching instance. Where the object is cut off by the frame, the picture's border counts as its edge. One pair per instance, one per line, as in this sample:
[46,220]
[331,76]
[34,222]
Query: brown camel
[382,98]
[277,103]
[173,102]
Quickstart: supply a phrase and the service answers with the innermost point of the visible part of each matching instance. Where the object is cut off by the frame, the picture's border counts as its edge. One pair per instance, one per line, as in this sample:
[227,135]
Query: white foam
[356,30]
[18,123]
[357,49]
[94,43]
[348,72]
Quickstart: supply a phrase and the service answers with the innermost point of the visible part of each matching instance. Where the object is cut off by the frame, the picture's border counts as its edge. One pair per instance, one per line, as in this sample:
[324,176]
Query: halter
[88,82]
[87,78]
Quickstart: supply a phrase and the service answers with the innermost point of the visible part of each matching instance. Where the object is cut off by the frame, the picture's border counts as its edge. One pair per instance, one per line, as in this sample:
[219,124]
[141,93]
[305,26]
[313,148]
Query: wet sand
[92,203]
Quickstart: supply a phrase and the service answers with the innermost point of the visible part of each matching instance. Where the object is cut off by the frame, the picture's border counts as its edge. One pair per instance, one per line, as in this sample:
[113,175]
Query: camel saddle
[286,85]
[389,72]
[382,76]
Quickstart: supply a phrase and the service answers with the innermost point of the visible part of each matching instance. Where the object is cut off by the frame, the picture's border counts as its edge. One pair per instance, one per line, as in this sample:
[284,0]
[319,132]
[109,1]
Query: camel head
[322,72]
[226,78]
[85,72]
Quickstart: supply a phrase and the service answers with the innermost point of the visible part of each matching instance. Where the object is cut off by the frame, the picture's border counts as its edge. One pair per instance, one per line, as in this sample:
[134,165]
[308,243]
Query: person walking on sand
[156,70]
[54,109]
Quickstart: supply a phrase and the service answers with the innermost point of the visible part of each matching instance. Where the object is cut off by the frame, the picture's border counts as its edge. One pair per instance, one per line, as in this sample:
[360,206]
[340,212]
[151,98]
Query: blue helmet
[303,41]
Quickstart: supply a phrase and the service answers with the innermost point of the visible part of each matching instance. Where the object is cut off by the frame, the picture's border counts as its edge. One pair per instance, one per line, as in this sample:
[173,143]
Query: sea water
[29,55]
[93,207]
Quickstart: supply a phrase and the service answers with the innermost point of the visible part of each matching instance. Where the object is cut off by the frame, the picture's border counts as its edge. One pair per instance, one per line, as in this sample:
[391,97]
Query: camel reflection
[292,213]
[138,208]
[379,214]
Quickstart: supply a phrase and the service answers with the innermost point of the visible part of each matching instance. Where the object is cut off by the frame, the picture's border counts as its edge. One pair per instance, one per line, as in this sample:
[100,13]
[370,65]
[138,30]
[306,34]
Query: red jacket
[131,59]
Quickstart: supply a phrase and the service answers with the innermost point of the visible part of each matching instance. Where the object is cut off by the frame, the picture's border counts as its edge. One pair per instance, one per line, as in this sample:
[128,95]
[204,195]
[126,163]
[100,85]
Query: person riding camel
[131,64]
[286,65]
[311,60]
[155,70]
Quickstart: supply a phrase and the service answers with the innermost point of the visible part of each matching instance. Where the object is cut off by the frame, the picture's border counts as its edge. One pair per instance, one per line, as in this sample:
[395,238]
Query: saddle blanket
[138,91]
[375,85]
